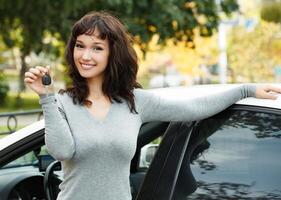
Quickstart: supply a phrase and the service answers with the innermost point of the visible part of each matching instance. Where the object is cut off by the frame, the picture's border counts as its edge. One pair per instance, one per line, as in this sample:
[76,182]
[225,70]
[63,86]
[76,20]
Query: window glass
[27,159]
[237,155]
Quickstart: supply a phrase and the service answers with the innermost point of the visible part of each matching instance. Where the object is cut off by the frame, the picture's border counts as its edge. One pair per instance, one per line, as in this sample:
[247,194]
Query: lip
[87,66]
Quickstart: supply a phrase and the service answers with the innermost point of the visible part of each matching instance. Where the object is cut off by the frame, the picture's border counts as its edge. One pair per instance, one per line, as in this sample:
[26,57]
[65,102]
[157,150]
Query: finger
[35,71]
[274,89]
[48,68]
[269,96]
[43,70]
[28,80]
[30,75]
[272,96]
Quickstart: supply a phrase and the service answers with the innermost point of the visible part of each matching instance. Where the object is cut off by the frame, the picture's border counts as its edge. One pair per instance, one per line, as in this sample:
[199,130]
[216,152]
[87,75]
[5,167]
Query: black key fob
[46,79]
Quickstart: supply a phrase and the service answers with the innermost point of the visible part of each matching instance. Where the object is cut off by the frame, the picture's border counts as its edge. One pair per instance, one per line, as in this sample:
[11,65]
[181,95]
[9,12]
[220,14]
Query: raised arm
[58,137]
[155,108]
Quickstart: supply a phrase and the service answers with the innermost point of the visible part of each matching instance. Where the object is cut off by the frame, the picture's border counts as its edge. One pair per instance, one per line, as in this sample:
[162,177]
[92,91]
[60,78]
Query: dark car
[234,154]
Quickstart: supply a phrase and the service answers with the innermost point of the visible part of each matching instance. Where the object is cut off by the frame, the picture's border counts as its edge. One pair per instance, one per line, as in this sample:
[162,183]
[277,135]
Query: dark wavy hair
[121,71]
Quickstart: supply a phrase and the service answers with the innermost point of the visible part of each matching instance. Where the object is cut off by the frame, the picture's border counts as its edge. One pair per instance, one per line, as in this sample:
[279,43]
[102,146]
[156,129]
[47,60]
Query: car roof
[20,134]
[170,93]
[197,91]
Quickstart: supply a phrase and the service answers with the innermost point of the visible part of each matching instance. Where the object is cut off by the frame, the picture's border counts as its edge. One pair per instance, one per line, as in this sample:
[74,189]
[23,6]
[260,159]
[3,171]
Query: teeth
[87,66]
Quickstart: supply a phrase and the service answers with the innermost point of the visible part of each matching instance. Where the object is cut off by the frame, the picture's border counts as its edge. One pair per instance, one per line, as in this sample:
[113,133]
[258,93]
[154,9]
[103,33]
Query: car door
[161,178]
[236,154]
[19,174]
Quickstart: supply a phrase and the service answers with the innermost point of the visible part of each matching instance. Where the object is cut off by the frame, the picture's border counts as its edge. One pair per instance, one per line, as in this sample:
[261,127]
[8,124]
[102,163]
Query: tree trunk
[21,88]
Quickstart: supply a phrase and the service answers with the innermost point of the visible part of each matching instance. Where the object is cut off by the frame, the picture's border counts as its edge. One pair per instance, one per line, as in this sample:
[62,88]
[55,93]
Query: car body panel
[21,134]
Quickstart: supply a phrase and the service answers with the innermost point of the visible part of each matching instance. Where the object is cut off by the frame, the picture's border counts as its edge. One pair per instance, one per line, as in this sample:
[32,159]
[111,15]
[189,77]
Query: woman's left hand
[267,92]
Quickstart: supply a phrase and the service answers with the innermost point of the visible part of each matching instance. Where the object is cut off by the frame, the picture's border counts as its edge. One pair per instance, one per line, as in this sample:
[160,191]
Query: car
[234,154]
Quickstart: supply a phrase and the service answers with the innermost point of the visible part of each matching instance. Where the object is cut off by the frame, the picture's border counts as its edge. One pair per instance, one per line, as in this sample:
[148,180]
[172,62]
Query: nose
[86,55]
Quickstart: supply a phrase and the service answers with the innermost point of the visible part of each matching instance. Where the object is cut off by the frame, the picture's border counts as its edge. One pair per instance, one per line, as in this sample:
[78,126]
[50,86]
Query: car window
[27,159]
[237,155]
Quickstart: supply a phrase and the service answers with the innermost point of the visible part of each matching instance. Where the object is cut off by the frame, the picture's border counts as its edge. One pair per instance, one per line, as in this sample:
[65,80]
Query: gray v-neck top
[96,154]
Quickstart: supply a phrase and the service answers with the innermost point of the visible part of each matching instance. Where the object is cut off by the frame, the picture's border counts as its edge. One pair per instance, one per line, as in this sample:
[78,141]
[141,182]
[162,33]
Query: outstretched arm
[154,108]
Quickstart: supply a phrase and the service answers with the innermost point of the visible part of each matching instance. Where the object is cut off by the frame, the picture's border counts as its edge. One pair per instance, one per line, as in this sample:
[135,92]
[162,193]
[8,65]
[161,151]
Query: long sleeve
[58,136]
[152,107]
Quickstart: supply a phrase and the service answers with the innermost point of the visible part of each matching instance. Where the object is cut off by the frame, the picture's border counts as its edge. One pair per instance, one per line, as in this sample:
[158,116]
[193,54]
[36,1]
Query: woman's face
[91,55]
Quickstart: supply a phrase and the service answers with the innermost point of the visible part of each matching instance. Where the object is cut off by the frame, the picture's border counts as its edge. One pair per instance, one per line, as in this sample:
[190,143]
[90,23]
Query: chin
[89,75]
[86,75]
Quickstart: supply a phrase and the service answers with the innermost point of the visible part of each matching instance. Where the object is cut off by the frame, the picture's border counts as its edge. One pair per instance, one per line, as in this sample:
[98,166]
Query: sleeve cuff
[250,90]
[44,98]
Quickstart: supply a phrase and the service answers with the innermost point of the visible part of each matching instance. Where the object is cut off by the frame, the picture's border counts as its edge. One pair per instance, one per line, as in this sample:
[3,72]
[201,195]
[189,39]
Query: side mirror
[147,154]
[45,161]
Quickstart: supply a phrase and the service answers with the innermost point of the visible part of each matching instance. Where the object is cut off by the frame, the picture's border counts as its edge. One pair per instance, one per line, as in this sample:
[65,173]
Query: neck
[95,88]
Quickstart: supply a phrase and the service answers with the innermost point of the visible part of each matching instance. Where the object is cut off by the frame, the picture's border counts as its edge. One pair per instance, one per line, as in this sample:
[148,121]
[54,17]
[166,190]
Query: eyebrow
[95,43]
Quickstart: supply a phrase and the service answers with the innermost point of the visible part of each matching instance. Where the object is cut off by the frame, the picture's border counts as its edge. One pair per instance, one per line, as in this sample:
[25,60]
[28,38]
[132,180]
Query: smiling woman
[92,127]
[91,55]
[96,52]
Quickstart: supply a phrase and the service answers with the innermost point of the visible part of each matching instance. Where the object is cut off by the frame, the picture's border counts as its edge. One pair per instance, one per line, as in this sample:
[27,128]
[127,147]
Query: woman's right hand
[33,78]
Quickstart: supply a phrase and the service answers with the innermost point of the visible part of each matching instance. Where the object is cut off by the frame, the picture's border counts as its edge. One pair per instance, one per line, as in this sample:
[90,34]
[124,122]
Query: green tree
[271,12]
[253,55]
[4,88]
[24,23]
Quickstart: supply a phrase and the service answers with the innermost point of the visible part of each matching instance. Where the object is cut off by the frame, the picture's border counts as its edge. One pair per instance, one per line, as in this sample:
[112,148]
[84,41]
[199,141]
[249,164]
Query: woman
[92,127]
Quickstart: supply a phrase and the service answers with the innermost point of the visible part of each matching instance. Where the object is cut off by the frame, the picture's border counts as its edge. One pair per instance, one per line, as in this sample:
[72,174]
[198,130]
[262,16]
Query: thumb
[272,96]
[48,69]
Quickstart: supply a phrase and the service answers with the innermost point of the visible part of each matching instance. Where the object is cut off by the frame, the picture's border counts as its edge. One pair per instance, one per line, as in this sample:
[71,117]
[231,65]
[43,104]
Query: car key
[46,81]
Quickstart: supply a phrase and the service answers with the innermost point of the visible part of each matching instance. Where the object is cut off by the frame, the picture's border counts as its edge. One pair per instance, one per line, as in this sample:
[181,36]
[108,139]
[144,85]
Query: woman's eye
[79,46]
[97,49]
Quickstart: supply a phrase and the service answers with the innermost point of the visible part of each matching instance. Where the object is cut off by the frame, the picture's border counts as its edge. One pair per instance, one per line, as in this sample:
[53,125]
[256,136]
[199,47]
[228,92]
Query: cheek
[75,56]
[106,58]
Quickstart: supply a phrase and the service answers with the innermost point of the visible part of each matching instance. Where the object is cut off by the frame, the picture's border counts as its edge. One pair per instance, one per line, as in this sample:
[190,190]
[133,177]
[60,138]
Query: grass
[28,101]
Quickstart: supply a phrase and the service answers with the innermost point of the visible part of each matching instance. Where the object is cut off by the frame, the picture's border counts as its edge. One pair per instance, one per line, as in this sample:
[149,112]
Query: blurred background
[179,42]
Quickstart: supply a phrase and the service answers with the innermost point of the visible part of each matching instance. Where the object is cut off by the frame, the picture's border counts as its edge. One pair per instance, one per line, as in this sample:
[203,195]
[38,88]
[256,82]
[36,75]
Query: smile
[87,66]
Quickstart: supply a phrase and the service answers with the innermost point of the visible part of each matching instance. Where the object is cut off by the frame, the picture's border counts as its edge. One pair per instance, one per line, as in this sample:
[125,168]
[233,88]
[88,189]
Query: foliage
[185,59]
[168,18]
[25,24]
[253,55]
[4,89]
[271,12]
